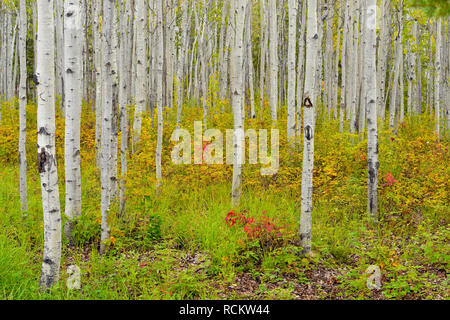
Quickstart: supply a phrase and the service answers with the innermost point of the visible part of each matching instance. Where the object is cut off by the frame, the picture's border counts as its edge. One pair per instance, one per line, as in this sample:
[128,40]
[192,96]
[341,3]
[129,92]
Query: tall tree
[106,137]
[292,8]
[73,98]
[371,102]
[273,56]
[238,20]
[141,57]
[45,77]
[159,88]
[23,105]
[309,104]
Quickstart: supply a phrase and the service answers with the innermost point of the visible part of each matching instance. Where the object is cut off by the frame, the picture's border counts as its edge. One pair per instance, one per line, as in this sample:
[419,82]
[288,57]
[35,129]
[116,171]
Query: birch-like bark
[382,66]
[140,16]
[98,77]
[336,66]
[301,70]
[238,16]
[22,106]
[45,76]
[107,107]
[395,81]
[354,78]
[345,66]
[159,89]
[371,102]
[123,97]
[73,98]
[438,79]
[59,32]
[263,44]
[273,55]
[309,103]
[182,58]
[292,9]
[251,70]
[418,100]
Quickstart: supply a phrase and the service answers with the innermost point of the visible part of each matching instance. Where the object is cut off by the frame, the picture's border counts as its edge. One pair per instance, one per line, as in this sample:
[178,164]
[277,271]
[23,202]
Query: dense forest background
[95,96]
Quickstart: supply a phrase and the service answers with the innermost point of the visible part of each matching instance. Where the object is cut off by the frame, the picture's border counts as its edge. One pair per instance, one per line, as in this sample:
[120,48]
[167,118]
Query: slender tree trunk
[309,103]
[140,16]
[159,89]
[238,17]
[371,102]
[301,70]
[59,23]
[107,107]
[47,166]
[438,79]
[22,106]
[73,98]
[98,78]
[123,98]
[293,7]
[273,55]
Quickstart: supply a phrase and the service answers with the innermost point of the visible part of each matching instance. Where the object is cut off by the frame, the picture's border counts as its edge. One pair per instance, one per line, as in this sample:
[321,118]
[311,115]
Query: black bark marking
[307,103]
[43,130]
[308,133]
[42,160]
[35,79]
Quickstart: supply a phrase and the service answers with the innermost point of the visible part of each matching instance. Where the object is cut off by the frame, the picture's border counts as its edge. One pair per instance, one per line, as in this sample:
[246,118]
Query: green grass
[177,245]
[188,252]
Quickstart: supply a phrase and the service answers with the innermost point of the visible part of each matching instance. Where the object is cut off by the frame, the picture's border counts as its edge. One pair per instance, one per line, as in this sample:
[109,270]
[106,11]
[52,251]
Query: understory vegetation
[187,242]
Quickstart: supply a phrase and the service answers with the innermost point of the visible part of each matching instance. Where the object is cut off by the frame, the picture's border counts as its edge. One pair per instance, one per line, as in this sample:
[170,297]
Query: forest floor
[187,242]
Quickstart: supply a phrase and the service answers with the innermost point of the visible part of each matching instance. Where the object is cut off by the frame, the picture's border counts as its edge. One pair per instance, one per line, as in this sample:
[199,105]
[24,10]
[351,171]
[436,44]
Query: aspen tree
[397,61]
[22,106]
[45,77]
[438,79]
[123,96]
[159,88]
[309,104]
[249,56]
[140,16]
[59,62]
[98,77]
[238,21]
[273,55]
[73,98]
[371,102]
[292,9]
[107,101]
[181,56]
[301,69]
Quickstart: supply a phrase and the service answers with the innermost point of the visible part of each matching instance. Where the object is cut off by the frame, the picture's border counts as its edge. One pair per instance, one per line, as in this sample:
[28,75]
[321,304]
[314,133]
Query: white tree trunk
[45,76]
[438,79]
[273,55]
[73,99]
[292,9]
[22,106]
[98,77]
[125,18]
[371,102]
[238,16]
[140,16]
[107,101]
[301,71]
[159,89]
[309,103]
[59,23]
